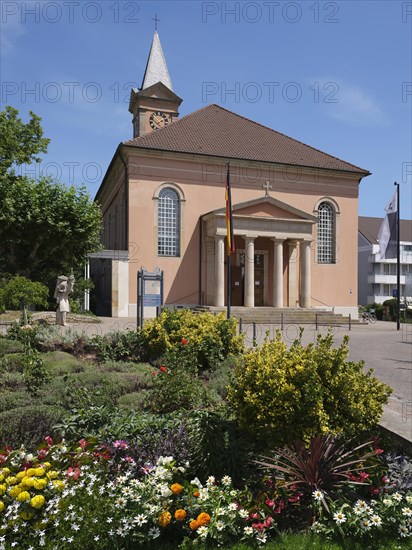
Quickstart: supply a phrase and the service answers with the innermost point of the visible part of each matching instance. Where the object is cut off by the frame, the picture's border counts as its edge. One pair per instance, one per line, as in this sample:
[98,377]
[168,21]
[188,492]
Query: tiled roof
[215,131]
[369,227]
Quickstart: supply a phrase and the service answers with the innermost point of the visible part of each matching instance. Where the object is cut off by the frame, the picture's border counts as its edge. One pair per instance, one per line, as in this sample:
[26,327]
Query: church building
[295,210]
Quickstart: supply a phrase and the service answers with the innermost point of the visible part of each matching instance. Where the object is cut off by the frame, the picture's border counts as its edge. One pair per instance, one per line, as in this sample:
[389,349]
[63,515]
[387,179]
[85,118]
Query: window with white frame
[168,227]
[326,233]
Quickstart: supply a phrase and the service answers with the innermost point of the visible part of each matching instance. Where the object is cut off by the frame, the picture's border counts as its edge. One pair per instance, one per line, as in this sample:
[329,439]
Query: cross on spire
[266,186]
[156,20]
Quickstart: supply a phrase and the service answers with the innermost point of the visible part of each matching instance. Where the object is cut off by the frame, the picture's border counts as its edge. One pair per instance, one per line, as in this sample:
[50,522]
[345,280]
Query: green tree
[20,143]
[46,228]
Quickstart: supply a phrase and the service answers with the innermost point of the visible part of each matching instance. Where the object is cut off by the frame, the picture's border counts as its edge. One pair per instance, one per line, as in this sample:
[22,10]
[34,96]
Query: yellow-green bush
[210,337]
[283,395]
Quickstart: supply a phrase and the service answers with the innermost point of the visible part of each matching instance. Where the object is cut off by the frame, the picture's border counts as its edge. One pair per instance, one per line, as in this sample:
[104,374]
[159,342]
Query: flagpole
[398,259]
[229,243]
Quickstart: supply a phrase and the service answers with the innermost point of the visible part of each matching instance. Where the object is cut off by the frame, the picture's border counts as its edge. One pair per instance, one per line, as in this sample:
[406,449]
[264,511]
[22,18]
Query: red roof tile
[215,131]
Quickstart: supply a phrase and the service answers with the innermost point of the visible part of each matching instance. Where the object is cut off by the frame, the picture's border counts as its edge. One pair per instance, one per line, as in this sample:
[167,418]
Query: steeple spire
[156,68]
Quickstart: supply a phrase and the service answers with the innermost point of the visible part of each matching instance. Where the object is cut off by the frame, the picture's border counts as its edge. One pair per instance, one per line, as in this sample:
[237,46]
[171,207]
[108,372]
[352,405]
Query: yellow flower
[2,477]
[52,475]
[15,491]
[5,471]
[47,465]
[40,484]
[31,472]
[180,514]
[176,488]
[37,501]
[164,519]
[28,482]
[40,472]
[23,496]
[1,506]
[59,485]
[21,475]
[3,489]
[27,515]
[203,518]
[12,480]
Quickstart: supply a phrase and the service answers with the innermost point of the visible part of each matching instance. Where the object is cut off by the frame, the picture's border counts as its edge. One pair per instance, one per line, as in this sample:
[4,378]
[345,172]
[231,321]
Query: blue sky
[335,75]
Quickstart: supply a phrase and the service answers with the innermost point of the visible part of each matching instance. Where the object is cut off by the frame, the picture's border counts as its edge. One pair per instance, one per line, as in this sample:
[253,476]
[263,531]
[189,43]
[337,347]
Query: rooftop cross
[156,20]
[266,186]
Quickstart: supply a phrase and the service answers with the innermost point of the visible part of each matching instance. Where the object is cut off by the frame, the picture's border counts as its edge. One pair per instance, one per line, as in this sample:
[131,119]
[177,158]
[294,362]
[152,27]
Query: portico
[272,263]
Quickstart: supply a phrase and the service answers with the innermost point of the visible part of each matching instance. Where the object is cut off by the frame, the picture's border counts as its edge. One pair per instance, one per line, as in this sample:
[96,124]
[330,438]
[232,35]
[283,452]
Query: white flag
[387,237]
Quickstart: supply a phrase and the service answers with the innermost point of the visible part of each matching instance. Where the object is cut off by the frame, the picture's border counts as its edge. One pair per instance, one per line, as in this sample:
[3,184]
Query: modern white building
[376,277]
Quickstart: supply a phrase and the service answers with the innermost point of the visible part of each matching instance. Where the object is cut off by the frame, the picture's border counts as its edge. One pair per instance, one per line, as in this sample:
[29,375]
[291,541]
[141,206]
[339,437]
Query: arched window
[168,226]
[326,233]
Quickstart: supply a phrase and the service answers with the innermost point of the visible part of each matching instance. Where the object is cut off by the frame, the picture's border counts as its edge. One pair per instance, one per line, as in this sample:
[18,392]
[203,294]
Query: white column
[219,271]
[293,274]
[249,272]
[305,273]
[278,272]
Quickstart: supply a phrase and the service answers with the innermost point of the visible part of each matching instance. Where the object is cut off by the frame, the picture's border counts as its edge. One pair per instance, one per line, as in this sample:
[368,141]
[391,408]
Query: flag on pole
[230,242]
[387,236]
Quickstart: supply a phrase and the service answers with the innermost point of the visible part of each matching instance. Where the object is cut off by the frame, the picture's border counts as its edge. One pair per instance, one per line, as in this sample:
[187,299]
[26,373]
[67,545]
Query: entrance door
[237,285]
[259,279]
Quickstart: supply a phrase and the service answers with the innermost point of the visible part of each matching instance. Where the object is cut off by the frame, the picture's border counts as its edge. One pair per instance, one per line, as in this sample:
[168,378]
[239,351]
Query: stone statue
[64,286]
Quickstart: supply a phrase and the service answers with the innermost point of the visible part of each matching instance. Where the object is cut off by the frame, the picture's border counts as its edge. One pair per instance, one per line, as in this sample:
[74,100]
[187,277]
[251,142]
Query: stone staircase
[287,316]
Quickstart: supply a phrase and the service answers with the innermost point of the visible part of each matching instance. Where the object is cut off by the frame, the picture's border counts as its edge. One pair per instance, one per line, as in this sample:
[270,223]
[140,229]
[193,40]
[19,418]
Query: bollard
[240,326]
[350,321]
[316,322]
[281,321]
[254,333]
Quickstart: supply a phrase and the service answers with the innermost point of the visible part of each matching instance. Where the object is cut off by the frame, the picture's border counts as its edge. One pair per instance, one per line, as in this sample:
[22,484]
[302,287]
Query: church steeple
[156,68]
[155,105]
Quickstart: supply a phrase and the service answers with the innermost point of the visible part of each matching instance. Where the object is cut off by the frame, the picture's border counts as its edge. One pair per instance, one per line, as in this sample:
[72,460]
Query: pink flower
[74,473]
[162,368]
[184,341]
[154,373]
[83,443]
[48,440]
[270,503]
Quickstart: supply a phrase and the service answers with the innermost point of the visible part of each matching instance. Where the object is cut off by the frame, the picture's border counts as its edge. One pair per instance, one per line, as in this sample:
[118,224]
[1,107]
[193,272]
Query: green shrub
[20,292]
[10,346]
[176,384]
[283,395]
[211,337]
[60,363]
[12,362]
[119,346]
[133,401]
[28,425]
[14,400]
[12,380]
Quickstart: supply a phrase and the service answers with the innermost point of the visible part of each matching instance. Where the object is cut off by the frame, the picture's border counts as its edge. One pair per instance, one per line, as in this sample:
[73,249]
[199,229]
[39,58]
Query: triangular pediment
[268,207]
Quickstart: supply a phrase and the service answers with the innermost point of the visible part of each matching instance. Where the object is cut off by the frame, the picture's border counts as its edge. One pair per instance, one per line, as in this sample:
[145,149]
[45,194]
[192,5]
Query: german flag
[230,241]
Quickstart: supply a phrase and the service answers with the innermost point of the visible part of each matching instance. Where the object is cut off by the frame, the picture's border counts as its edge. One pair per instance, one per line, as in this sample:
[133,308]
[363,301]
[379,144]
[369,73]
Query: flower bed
[94,496]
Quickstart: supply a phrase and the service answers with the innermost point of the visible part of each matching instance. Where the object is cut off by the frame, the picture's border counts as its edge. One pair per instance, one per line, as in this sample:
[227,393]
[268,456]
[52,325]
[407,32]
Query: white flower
[196,482]
[96,538]
[339,517]
[408,499]
[120,502]
[243,513]
[407,512]
[397,497]
[361,504]
[140,519]
[75,527]
[232,507]
[226,480]
[154,532]
[358,510]
[210,480]
[248,530]
[220,525]
[202,531]
[387,502]
[376,520]
[366,524]
[404,531]
[317,495]
[261,537]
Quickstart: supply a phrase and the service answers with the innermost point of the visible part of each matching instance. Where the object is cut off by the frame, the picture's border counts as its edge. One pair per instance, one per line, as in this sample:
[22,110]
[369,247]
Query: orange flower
[164,519]
[180,514]
[203,518]
[196,494]
[194,525]
[176,488]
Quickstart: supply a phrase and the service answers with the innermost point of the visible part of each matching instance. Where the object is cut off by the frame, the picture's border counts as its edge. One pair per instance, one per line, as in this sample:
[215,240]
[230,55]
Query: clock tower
[155,105]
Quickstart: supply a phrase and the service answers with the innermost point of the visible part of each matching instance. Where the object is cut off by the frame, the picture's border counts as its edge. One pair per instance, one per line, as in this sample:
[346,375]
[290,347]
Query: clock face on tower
[158,120]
